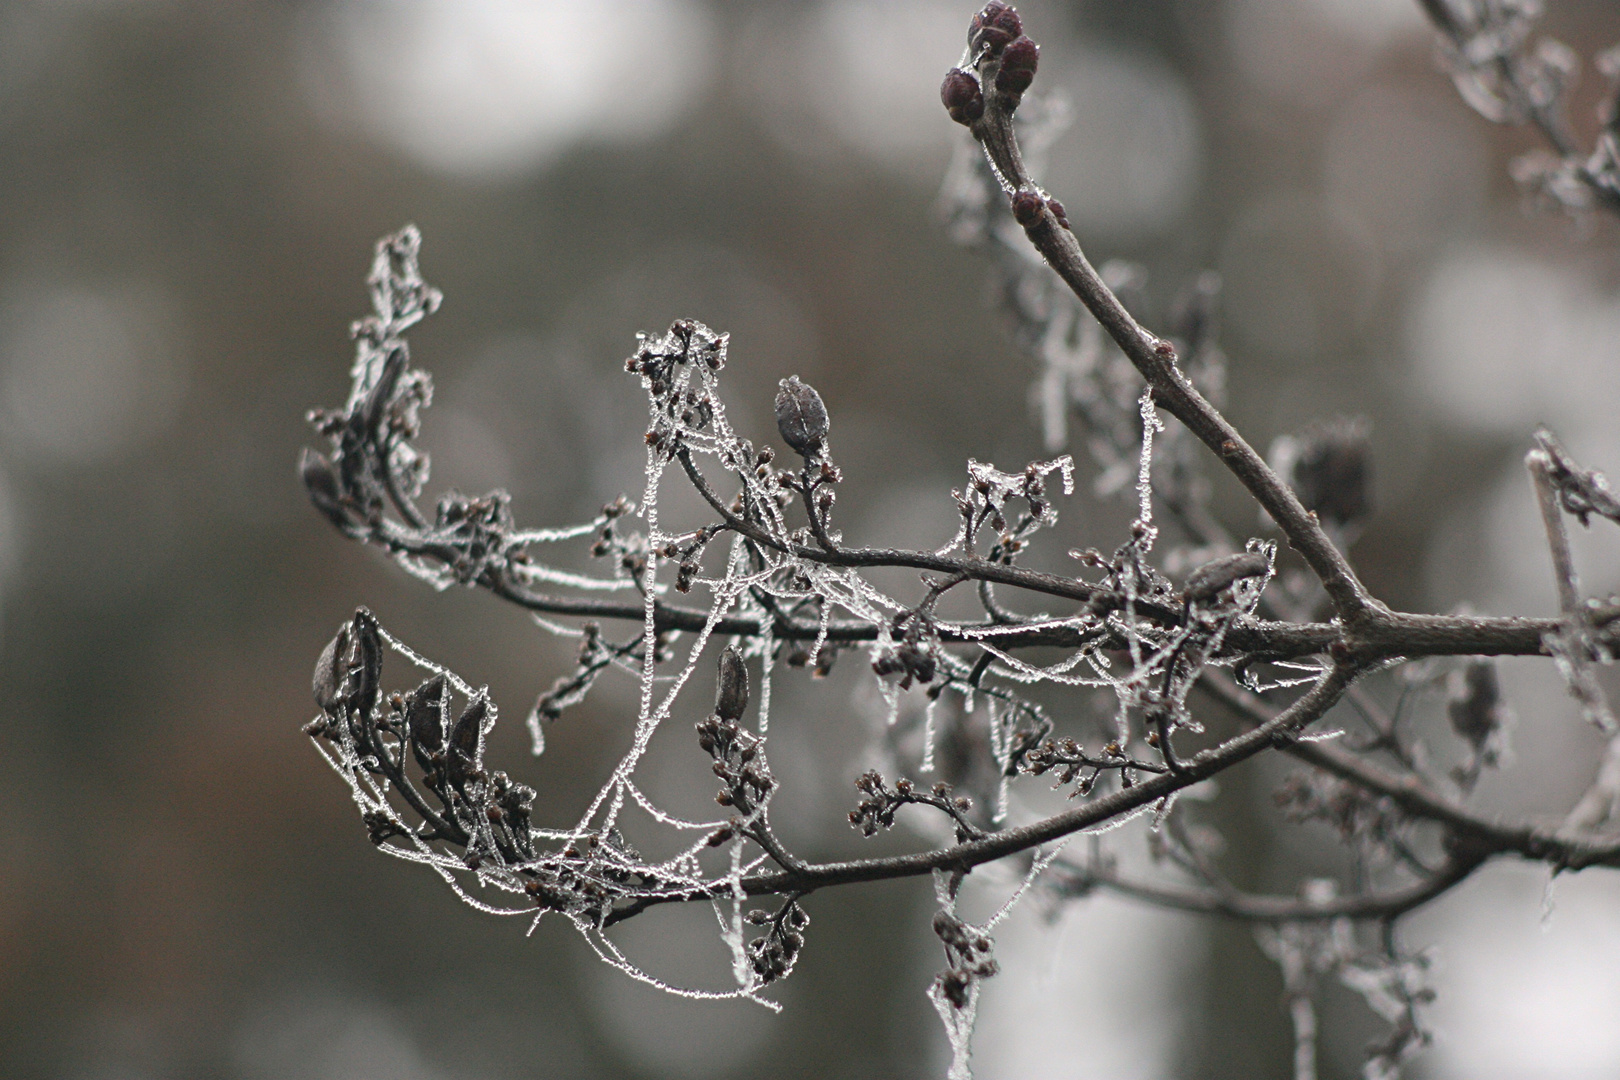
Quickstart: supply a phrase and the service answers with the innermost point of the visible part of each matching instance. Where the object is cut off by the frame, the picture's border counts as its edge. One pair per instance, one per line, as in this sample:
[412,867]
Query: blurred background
[189,193]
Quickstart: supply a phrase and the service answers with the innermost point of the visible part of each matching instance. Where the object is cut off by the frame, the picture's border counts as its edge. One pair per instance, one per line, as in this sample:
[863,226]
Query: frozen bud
[801,417]
[329,671]
[731,695]
[1027,207]
[321,481]
[1018,63]
[1206,582]
[994,27]
[1330,469]
[963,99]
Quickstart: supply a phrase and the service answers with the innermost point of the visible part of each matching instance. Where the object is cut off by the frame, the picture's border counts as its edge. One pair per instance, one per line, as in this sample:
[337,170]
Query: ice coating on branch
[1151,424]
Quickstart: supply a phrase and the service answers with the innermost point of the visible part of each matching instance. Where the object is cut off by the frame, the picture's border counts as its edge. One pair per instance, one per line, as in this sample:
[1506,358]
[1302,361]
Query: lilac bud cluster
[997,48]
[970,955]
[877,810]
[773,955]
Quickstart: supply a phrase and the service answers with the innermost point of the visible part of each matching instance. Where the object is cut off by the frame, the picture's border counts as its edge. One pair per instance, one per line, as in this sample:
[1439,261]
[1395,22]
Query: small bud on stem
[1018,63]
[963,98]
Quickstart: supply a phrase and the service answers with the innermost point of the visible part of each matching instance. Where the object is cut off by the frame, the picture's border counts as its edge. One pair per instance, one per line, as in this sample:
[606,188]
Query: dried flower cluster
[1182,627]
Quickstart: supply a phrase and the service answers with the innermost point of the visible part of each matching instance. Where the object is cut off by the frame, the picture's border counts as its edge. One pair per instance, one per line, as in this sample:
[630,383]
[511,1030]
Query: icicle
[1144,469]
[927,765]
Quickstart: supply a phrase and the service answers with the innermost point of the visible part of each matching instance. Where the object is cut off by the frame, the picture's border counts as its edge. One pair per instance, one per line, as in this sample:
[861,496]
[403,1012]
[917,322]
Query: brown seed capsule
[1207,581]
[1018,63]
[731,696]
[963,98]
[321,481]
[424,718]
[994,27]
[1027,207]
[467,741]
[1330,469]
[365,673]
[1475,705]
[801,417]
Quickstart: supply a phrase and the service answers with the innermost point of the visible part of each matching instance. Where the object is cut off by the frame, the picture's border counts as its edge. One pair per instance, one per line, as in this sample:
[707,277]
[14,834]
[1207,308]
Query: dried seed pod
[330,670]
[425,710]
[365,671]
[1330,469]
[374,407]
[1206,582]
[801,417]
[731,696]
[1474,702]
[963,99]
[994,27]
[467,741]
[1018,63]
[321,481]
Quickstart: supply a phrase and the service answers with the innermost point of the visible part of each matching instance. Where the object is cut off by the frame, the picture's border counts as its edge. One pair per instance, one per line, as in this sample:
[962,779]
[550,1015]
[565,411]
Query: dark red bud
[1018,63]
[1027,207]
[963,99]
[994,27]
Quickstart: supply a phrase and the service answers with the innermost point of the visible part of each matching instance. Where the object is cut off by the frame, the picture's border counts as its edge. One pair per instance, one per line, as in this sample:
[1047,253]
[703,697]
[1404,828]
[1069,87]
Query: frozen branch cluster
[1201,649]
